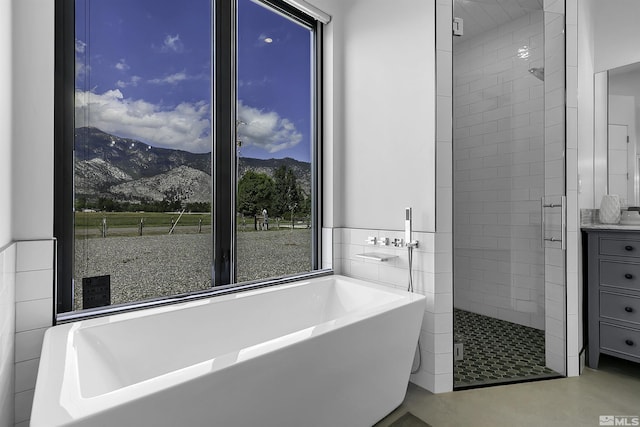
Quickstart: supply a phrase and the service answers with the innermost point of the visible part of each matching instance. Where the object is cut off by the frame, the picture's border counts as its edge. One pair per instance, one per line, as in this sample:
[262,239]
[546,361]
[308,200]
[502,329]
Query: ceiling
[483,15]
[633,69]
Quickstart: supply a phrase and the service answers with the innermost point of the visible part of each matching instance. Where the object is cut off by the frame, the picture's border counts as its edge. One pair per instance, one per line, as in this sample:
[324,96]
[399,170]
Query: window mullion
[63,152]
[223,162]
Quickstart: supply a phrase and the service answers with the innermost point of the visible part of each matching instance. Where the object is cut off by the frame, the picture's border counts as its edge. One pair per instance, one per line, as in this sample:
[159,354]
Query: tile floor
[613,389]
[496,351]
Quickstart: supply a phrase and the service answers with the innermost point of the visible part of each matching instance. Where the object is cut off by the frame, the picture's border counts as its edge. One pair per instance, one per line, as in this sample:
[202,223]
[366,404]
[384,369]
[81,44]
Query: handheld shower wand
[409,243]
[407,225]
[408,231]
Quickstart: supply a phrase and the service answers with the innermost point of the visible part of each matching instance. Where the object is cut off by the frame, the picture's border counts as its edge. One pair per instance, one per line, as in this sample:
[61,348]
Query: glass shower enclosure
[509,187]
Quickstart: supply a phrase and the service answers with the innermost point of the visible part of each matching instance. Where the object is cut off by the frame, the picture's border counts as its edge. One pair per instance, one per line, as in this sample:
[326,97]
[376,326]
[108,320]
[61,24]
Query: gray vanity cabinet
[613,294]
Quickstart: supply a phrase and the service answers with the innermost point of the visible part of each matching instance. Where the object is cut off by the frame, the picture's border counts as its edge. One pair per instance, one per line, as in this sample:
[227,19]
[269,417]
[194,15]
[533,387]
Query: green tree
[306,204]
[81,203]
[287,195]
[199,207]
[107,204]
[255,192]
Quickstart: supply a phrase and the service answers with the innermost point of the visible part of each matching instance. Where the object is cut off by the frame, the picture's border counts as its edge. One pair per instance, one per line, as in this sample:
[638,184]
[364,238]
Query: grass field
[132,219]
[89,224]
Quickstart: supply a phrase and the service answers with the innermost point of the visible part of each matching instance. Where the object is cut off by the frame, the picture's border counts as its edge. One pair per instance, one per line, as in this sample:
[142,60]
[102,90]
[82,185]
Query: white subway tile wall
[498,172]
[574,294]
[556,338]
[7,333]
[34,290]
[438,277]
[437,327]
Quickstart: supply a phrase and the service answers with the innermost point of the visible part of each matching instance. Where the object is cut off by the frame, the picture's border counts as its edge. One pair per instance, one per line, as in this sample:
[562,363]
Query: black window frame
[223,160]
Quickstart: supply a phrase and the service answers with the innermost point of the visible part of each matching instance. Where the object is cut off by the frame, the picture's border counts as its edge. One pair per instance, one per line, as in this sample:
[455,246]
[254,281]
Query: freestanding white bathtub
[330,351]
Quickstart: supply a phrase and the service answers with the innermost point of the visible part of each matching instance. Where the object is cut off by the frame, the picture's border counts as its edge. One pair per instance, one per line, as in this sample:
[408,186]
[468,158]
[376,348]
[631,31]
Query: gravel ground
[263,254]
[152,266]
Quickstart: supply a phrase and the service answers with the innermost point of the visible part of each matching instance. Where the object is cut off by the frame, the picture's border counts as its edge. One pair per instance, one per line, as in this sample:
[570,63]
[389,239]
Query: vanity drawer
[620,274]
[620,307]
[620,339]
[615,247]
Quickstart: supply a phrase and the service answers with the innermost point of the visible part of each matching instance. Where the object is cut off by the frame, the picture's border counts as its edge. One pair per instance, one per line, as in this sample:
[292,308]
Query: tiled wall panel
[439,374]
[34,290]
[7,333]
[555,186]
[436,335]
[574,292]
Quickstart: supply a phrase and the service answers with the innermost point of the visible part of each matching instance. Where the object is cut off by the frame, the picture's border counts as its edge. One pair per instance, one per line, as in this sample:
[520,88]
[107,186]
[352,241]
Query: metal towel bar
[563,227]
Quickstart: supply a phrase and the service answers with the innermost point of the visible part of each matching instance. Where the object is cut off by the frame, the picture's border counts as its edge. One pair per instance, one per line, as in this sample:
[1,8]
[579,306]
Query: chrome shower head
[538,73]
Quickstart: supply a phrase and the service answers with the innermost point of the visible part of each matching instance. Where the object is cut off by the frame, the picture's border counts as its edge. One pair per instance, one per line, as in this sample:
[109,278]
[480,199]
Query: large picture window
[186,148]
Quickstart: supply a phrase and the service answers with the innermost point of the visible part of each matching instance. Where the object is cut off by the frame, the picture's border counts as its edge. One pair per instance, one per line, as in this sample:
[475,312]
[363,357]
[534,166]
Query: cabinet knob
[628,309]
[628,248]
[628,342]
[628,276]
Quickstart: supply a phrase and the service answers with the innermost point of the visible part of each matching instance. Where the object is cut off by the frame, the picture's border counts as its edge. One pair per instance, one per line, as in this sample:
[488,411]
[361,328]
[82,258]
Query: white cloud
[80,46]
[171,79]
[185,127]
[172,44]
[266,130]
[133,81]
[253,83]
[122,65]
[81,68]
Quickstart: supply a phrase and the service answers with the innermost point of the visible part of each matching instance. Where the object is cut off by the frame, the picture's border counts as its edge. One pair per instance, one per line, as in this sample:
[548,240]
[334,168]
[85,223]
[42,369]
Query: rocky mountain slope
[182,183]
[128,170]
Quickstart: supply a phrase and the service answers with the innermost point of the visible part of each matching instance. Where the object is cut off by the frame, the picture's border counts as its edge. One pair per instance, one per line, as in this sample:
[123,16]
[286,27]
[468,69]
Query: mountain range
[125,169]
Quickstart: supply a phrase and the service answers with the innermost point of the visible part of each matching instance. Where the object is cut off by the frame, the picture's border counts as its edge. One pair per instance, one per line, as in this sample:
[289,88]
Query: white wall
[382,112]
[585,96]
[379,152]
[28,149]
[5,122]
[33,56]
[616,33]
[7,255]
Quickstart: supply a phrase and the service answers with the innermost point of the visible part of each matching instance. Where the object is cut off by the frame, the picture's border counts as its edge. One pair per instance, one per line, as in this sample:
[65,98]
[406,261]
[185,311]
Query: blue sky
[143,71]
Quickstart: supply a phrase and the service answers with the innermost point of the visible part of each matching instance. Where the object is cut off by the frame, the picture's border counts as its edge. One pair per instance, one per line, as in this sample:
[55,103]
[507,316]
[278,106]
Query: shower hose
[410,289]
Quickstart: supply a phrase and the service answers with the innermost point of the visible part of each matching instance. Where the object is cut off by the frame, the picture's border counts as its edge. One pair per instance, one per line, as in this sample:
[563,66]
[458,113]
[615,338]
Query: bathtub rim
[65,384]
[215,291]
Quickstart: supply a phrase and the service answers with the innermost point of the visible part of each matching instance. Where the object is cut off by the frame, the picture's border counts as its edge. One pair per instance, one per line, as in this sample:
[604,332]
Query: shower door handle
[563,225]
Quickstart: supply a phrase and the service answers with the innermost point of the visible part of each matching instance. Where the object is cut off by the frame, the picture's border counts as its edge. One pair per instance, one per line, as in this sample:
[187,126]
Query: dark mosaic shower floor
[496,351]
